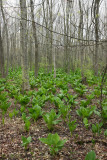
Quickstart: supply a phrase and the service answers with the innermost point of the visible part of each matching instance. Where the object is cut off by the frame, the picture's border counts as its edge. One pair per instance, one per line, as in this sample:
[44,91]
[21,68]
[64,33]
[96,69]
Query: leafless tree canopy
[53,34]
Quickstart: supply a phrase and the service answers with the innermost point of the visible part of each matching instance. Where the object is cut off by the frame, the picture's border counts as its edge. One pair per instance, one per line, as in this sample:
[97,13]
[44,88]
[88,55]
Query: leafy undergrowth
[58,118]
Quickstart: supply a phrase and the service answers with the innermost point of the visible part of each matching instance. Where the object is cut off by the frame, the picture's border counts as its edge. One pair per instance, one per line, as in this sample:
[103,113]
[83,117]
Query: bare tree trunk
[46,20]
[15,51]
[65,42]
[51,37]
[54,60]
[24,36]
[1,55]
[66,39]
[7,38]
[35,37]
[80,35]
[30,52]
[67,33]
[12,52]
[96,17]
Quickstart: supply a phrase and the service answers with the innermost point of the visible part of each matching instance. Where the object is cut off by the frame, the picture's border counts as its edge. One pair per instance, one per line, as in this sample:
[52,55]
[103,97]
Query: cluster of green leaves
[14,113]
[50,87]
[62,93]
[57,101]
[86,124]
[72,126]
[61,84]
[4,104]
[34,82]
[26,141]
[104,111]
[54,142]
[64,110]
[105,133]
[97,128]
[81,89]
[13,89]
[85,103]
[51,119]
[26,121]
[78,86]
[91,156]
[23,99]
[71,99]
[39,100]
[85,112]
[35,112]
[3,96]
[97,91]
[45,87]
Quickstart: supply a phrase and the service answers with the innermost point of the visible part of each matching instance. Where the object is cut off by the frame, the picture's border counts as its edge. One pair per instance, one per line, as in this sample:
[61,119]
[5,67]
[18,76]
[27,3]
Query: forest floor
[76,147]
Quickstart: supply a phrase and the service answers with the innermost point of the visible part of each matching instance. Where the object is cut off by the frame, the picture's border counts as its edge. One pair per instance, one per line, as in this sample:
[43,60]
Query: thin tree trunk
[96,17]
[54,60]
[35,37]
[30,53]
[51,38]
[1,55]
[24,36]
[80,35]
[7,38]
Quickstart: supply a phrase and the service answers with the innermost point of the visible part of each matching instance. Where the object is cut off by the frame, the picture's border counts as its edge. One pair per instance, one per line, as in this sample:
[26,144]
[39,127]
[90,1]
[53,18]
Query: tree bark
[7,37]
[1,55]
[24,36]
[35,37]
[96,18]
[80,35]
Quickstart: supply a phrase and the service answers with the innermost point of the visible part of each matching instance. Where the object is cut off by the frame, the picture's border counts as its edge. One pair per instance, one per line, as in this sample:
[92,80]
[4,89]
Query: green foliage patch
[54,142]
